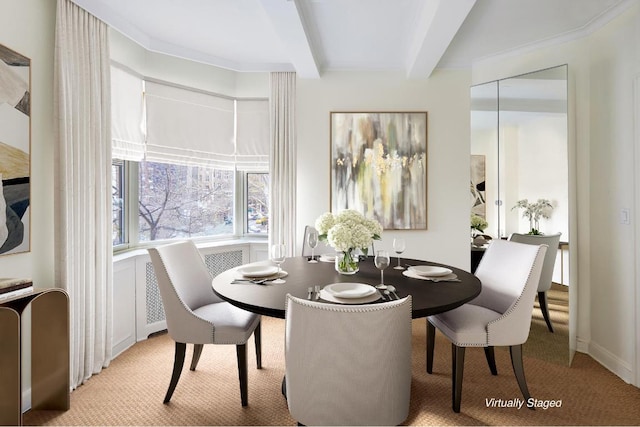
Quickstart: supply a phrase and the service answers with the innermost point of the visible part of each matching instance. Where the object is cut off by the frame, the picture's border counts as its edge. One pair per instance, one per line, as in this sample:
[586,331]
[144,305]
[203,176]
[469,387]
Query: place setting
[264,274]
[358,293]
[431,273]
[330,258]
[346,293]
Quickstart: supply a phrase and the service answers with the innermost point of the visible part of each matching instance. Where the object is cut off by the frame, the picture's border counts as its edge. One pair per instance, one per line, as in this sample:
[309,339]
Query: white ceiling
[313,36]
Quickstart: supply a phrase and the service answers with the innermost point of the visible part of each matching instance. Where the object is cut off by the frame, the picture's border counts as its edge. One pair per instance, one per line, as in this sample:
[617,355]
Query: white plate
[430,270]
[327,258]
[258,270]
[326,296]
[350,290]
[451,277]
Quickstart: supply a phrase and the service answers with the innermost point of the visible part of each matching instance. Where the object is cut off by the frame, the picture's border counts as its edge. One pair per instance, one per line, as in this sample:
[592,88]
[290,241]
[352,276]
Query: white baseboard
[611,362]
[582,346]
[26,400]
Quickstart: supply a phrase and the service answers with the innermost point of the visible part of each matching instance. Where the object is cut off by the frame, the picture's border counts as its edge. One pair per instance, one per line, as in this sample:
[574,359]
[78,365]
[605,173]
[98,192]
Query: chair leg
[197,351]
[490,354]
[544,307]
[257,336]
[178,362]
[457,371]
[241,352]
[431,341]
[518,370]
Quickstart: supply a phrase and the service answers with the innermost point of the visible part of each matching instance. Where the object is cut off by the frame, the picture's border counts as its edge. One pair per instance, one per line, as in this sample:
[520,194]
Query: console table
[49,352]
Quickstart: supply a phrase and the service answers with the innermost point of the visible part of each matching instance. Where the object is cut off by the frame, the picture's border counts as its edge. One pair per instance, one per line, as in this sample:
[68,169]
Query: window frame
[130,202]
[122,164]
[245,198]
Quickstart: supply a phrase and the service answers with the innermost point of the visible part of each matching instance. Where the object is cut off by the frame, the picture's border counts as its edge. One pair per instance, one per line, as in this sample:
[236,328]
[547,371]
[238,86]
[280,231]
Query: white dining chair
[348,364]
[499,316]
[196,315]
[546,277]
[322,248]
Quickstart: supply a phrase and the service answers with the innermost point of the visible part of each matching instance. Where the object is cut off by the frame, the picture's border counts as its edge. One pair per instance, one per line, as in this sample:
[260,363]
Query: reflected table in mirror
[269,299]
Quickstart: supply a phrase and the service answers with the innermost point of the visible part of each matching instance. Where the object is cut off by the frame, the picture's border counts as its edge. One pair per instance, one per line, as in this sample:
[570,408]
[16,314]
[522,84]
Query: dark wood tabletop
[428,297]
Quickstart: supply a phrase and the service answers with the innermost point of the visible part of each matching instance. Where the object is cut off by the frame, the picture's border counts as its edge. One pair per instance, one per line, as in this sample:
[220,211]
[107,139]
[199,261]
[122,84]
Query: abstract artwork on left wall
[15,152]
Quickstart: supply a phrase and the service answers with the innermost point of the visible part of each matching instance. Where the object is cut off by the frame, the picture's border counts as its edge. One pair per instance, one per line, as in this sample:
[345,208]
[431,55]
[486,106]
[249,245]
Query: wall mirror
[519,150]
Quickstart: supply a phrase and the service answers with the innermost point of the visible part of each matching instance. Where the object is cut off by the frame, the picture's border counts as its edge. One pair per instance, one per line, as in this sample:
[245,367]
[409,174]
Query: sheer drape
[83,188]
[282,162]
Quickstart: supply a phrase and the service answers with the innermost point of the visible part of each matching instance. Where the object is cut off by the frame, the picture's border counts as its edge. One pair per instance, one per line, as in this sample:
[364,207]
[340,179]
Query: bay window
[194,159]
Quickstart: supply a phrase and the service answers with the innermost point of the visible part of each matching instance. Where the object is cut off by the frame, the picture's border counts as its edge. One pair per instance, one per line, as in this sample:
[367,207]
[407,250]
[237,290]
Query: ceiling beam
[436,26]
[288,23]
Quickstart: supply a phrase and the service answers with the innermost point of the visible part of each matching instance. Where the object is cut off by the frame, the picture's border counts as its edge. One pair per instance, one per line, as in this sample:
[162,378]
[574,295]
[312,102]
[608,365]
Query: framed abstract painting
[477,186]
[379,166]
[15,156]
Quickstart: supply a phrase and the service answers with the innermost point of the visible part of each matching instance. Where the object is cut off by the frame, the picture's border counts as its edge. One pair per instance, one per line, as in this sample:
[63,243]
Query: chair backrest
[184,283]
[348,365]
[509,272]
[322,248]
[552,241]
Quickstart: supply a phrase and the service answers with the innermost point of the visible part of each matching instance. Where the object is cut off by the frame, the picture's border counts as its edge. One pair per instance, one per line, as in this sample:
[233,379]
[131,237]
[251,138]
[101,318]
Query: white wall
[187,73]
[540,172]
[615,61]
[602,67]
[29,29]
[445,96]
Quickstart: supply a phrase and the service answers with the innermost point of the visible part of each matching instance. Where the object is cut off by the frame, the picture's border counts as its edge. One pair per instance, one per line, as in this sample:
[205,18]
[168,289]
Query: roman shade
[189,127]
[127,115]
[252,134]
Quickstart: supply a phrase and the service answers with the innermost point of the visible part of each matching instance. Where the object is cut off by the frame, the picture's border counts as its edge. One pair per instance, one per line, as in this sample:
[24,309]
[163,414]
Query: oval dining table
[428,297]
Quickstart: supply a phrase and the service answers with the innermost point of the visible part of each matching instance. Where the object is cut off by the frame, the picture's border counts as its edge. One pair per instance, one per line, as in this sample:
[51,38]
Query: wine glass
[398,247]
[278,254]
[312,240]
[381,260]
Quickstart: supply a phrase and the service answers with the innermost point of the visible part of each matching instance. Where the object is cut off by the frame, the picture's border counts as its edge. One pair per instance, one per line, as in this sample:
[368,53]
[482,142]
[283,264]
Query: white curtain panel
[282,160]
[83,187]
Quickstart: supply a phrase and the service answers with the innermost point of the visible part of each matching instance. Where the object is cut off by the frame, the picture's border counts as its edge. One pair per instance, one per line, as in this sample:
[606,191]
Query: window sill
[142,250]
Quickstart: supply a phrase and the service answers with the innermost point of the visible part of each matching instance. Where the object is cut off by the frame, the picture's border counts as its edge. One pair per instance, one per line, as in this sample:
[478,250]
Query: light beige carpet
[130,391]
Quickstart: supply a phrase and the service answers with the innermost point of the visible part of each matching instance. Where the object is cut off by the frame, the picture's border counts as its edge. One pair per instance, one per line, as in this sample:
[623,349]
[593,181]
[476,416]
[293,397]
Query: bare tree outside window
[177,201]
[258,203]
[117,201]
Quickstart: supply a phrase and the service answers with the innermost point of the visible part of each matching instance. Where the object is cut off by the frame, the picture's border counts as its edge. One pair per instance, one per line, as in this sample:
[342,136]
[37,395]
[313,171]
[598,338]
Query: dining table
[429,295]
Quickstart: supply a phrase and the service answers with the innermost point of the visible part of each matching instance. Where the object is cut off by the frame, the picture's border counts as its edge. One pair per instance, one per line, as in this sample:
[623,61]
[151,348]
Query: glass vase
[346,263]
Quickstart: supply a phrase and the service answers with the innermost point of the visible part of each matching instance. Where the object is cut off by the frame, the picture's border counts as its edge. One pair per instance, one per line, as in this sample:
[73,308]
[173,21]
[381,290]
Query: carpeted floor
[542,344]
[131,390]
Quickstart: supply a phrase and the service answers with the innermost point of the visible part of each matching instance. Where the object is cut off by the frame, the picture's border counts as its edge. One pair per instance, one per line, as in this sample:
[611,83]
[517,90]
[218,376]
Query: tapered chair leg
[241,352]
[544,307]
[490,354]
[431,341]
[457,371]
[257,336]
[178,362]
[518,370]
[197,351]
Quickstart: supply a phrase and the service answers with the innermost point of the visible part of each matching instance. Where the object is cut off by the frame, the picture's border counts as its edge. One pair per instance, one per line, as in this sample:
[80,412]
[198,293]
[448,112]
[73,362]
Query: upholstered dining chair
[322,248]
[546,277]
[499,316]
[196,315]
[348,364]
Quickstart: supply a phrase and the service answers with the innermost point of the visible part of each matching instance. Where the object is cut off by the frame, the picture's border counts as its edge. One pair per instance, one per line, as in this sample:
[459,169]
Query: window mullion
[131,177]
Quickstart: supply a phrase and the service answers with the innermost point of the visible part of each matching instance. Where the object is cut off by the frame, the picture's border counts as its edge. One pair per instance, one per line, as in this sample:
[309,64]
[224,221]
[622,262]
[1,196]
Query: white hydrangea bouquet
[347,231]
